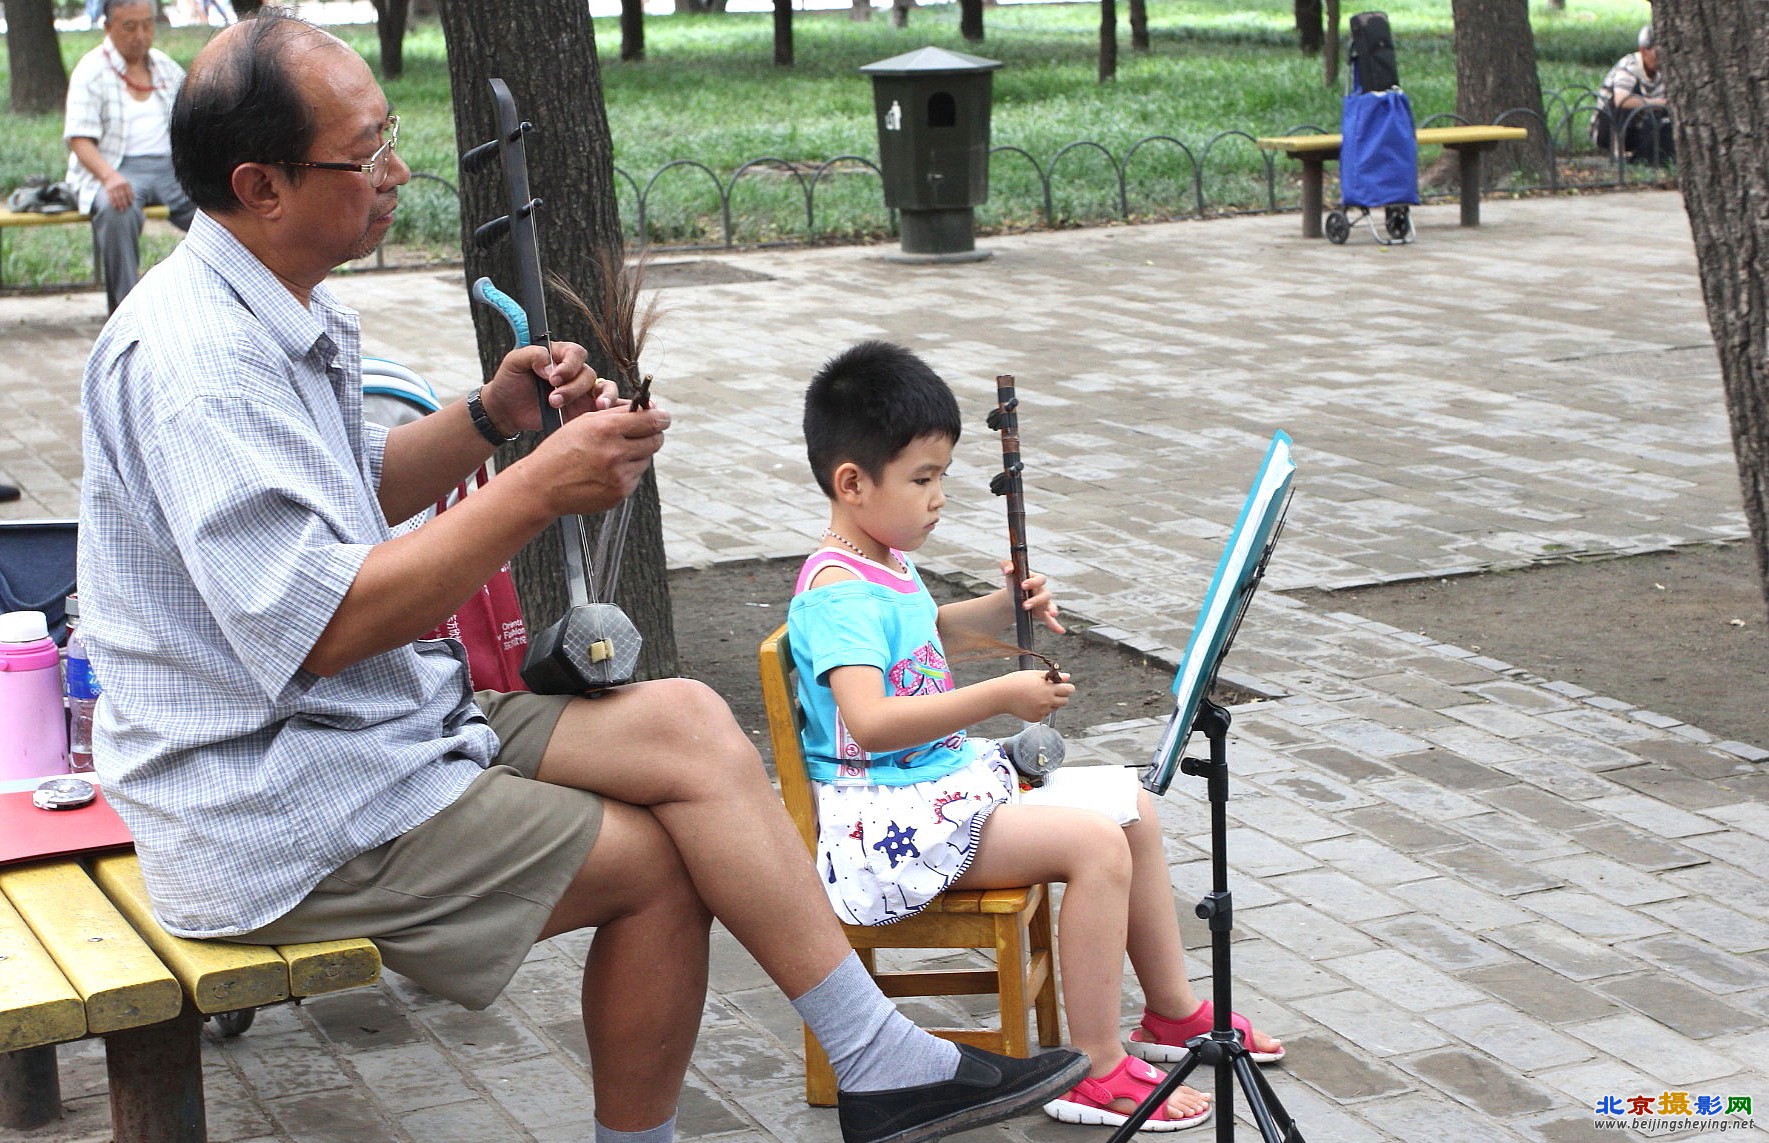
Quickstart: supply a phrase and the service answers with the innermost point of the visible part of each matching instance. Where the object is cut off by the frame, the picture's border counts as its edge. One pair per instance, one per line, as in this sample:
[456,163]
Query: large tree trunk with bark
[39,80]
[1496,73]
[900,13]
[1713,53]
[860,10]
[546,51]
[970,20]
[390,21]
[782,33]
[632,30]
[1330,52]
[1139,25]
[1108,40]
[1308,26]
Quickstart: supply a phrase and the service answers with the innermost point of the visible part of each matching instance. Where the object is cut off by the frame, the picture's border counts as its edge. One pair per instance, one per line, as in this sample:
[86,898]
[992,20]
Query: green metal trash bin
[932,108]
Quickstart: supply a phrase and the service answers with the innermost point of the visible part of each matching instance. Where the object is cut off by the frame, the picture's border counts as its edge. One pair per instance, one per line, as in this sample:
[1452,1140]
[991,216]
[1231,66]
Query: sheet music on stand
[1237,576]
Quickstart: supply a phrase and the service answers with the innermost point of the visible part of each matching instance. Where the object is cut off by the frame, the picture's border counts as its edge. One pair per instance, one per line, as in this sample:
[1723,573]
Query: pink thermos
[33,721]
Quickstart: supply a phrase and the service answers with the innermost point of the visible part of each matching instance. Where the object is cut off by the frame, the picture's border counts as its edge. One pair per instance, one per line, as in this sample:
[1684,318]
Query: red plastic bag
[489,625]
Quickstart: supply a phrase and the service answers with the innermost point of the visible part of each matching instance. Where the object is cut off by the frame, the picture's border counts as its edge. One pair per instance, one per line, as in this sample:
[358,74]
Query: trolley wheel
[1399,223]
[1338,227]
[232,1024]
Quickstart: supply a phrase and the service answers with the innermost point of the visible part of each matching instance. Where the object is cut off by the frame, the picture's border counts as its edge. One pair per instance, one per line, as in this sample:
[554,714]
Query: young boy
[908,805]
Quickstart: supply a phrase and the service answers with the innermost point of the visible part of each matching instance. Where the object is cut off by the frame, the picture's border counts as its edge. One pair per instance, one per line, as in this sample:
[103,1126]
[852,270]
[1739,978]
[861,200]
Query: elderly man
[119,152]
[1631,116]
[295,761]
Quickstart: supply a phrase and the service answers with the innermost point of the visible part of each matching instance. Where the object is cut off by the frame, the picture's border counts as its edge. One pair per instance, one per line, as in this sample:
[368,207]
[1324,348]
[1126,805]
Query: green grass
[707,92]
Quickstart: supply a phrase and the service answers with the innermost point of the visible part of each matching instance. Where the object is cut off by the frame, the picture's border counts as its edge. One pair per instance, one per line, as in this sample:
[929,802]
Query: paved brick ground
[1473,901]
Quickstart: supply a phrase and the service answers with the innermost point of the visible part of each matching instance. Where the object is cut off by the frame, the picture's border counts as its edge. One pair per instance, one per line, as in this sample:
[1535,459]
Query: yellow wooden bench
[81,955]
[12,219]
[1314,152]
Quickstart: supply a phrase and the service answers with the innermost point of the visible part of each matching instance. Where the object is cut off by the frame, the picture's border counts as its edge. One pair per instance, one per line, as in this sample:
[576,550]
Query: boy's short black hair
[867,404]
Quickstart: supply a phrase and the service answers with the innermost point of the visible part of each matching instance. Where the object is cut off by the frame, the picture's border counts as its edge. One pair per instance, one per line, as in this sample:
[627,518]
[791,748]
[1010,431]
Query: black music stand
[1237,577]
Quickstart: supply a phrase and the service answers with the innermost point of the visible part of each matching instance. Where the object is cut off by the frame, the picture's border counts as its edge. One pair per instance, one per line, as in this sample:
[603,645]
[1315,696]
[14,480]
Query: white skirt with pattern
[884,852]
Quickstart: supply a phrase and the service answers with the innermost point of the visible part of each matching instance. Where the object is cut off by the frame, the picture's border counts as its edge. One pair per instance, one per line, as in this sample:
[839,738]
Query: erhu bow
[593,646]
[1038,749]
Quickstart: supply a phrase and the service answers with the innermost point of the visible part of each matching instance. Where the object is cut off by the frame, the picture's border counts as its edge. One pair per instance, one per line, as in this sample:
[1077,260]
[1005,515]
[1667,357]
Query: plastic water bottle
[82,691]
[33,723]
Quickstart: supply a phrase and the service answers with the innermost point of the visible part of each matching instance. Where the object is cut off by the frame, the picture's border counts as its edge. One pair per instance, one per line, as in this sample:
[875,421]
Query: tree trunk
[1330,52]
[860,10]
[390,21]
[782,33]
[632,30]
[970,20]
[1495,73]
[1308,26]
[900,13]
[39,81]
[1139,25]
[1108,40]
[571,169]
[1712,53]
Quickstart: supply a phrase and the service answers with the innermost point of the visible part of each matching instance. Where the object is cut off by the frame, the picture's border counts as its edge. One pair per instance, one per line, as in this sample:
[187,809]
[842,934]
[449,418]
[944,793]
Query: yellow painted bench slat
[219,976]
[327,966]
[66,217]
[37,1004]
[1425,137]
[122,982]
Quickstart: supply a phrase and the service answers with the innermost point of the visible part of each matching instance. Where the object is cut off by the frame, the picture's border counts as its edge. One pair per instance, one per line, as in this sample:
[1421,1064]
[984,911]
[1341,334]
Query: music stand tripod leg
[1221,1048]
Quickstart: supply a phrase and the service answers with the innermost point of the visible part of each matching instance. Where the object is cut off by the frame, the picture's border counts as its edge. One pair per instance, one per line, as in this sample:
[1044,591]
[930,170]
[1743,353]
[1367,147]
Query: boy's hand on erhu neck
[1039,600]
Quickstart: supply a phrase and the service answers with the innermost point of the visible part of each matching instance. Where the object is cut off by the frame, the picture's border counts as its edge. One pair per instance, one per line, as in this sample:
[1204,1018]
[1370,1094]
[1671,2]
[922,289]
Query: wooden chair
[1013,923]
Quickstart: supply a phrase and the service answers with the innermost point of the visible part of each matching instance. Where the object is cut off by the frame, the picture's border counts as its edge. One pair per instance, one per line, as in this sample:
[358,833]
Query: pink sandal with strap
[1090,1101]
[1162,1041]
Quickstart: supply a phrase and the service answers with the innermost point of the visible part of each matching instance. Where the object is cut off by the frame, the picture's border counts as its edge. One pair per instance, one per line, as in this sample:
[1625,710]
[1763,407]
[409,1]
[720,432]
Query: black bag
[37,195]
[1372,53]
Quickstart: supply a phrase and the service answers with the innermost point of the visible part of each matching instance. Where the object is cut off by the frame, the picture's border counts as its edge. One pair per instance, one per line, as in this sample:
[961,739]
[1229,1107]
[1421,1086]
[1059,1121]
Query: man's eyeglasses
[376,168]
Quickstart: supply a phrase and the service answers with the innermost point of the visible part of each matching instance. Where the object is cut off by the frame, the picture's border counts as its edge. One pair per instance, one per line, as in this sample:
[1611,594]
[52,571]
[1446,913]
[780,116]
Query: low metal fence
[1563,131]
[1201,183]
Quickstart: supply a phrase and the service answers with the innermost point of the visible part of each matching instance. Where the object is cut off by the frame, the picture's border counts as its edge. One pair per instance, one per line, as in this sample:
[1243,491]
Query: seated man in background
[120,153]
[1631,117]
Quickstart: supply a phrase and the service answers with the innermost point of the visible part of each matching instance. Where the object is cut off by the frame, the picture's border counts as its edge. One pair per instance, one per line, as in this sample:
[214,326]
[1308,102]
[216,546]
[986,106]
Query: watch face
[63,794]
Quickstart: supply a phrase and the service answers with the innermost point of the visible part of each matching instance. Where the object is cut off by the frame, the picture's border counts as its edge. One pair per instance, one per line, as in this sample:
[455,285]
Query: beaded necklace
[857,550]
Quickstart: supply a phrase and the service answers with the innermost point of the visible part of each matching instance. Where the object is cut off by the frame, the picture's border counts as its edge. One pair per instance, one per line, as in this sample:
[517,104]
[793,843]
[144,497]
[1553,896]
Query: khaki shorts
[456,902]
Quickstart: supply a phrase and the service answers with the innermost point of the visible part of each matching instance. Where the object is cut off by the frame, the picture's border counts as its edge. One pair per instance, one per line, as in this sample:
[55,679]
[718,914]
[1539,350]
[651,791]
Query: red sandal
[1162,1041]
[1090,1101]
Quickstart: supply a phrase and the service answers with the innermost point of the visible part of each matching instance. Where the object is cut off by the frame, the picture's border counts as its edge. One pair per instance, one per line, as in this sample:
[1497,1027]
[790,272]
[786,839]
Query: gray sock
[664,1132]
[871,1045]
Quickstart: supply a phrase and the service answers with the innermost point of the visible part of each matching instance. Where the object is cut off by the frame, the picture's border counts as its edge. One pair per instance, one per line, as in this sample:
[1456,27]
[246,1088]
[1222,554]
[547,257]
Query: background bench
[1314,152]
[13,219]
[81,955]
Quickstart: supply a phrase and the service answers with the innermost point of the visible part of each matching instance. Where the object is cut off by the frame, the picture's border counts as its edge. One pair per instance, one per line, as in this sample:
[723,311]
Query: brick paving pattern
[1472,900]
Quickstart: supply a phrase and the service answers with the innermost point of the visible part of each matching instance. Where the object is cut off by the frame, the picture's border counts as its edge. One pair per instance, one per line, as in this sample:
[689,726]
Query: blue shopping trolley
[1378,154]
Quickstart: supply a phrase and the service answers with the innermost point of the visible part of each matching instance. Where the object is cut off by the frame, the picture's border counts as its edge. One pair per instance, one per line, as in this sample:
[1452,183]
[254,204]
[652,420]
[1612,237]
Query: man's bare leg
[673,747]
[644,984]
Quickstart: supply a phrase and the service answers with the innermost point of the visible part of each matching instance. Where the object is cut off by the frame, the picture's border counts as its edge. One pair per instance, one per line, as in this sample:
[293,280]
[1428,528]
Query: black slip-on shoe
[987,1087]
[9,492]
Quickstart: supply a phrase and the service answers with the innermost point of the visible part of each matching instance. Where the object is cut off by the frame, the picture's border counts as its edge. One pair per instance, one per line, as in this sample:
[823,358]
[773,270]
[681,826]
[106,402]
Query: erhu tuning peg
[479,157]
[1002,482]
[492,231]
